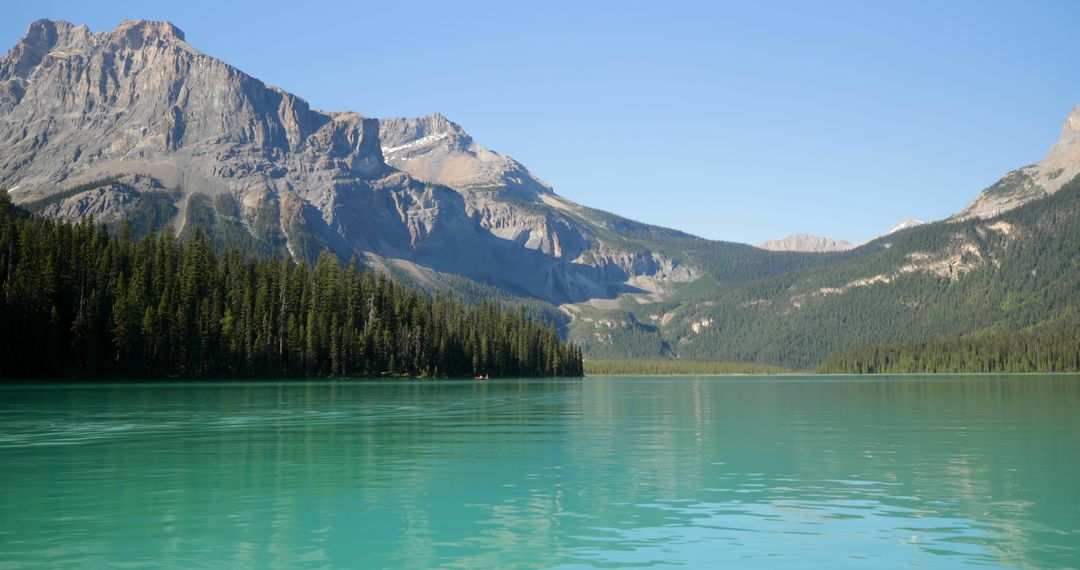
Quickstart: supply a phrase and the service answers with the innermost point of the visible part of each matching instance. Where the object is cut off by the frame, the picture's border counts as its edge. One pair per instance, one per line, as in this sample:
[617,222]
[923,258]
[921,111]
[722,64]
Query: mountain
[807,243]
[938,280]
[137,124]
[435,149]
[1011,277]
[1060,165]
[817,244]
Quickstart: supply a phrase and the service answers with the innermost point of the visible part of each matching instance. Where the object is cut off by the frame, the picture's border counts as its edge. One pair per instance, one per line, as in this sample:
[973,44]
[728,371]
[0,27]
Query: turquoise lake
[686,472]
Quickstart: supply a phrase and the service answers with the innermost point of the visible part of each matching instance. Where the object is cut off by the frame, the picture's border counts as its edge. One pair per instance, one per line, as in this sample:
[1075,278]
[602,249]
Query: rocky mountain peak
[77,105]
[45,37]
[1068,144]
[135,122]
[42,35]
[403,134]
[1060,165]
[438,123]
[138,32]
[41,38]
[435,149]
[46,34]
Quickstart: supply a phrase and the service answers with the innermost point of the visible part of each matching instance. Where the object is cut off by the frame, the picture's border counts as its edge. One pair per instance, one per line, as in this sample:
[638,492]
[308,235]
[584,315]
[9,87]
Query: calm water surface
[602,472]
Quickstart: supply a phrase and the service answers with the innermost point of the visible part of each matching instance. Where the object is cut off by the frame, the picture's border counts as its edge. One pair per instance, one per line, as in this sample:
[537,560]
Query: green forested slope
[911,297]
[1052,347]
[1012,272]
[77,301]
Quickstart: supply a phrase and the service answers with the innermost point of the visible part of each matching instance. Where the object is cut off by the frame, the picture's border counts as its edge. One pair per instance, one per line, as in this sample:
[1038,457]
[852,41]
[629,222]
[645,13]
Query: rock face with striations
[439,151]
[90,122]
[1060,165]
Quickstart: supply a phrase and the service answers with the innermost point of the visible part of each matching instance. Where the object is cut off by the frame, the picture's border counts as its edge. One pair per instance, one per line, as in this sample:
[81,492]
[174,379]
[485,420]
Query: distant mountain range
[806,242]
[817,244]
[136,125]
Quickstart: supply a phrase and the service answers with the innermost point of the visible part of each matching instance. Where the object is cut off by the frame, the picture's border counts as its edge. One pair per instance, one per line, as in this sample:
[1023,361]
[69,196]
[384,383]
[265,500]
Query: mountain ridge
[805,243]
[80,106]
[1018,187]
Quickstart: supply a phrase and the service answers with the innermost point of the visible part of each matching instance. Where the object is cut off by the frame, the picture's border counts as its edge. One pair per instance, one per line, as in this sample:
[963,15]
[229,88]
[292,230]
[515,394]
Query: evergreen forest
[1048,348]
[80,301]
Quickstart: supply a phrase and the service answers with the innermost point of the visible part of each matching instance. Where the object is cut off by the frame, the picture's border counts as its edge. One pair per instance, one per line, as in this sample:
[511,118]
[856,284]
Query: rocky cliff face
[1060,165]
[500,191]
[140,110]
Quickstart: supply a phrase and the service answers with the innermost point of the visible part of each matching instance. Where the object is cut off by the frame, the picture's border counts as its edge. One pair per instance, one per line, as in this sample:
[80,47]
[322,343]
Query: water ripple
[607,473]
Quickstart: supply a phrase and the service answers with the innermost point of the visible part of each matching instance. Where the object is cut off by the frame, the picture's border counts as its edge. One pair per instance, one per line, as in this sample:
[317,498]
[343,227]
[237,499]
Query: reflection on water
[625,472]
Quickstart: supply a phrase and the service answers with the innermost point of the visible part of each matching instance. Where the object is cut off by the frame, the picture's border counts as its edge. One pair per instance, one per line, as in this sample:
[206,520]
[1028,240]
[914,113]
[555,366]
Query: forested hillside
[1054,347]
[78,301]
[1008,273]
[179,139]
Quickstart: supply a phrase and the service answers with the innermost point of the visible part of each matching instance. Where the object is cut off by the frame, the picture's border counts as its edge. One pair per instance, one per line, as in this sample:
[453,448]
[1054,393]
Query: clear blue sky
[741,121]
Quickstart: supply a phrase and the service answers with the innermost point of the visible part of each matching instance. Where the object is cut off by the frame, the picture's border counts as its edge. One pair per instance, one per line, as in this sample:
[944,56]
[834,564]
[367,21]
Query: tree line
[78,300]
[1048,348]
